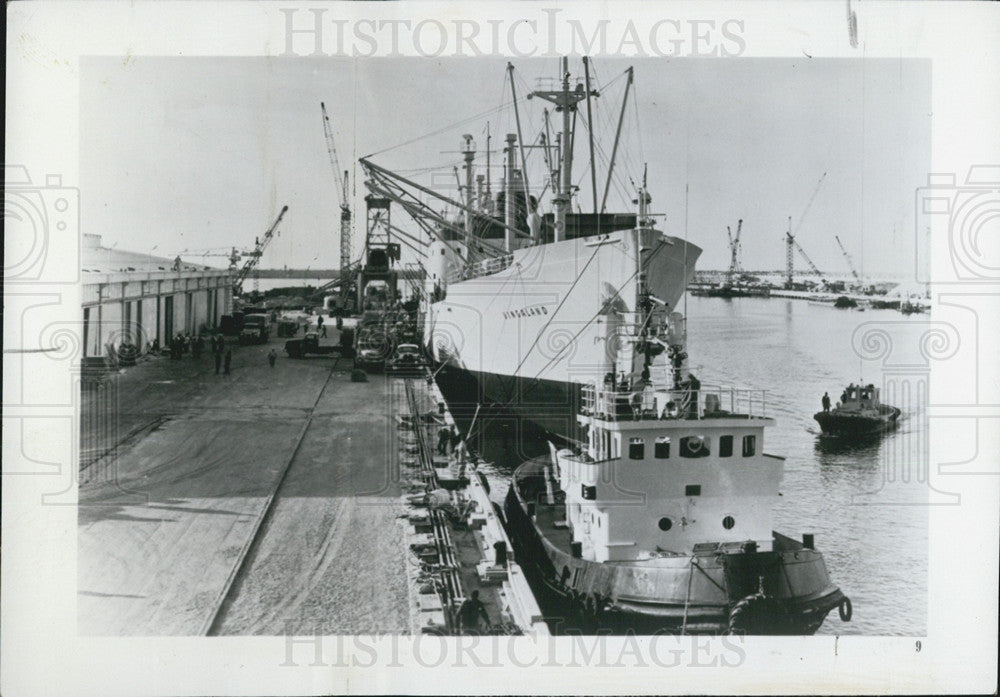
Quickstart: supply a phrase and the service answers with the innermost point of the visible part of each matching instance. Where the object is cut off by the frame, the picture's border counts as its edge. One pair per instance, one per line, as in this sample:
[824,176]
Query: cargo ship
[524,306]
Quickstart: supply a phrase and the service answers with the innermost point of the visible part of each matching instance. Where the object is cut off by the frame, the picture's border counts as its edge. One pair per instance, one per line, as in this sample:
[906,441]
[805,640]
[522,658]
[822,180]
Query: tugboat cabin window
[636,448]
[749,446]
[725,446]
[694,446]
[661,448]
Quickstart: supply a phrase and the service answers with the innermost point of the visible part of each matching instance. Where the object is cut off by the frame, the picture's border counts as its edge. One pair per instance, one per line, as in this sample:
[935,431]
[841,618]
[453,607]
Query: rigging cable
[535,380]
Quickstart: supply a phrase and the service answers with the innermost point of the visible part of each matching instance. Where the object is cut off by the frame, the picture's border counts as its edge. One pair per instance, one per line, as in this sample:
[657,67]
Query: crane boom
[791,242]
[809,204]
[258,251]
[805,256]
[850,264]
[345,207]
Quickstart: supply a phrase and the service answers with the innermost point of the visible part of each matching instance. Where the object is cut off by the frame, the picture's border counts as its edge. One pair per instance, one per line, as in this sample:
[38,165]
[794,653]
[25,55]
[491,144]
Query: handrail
[651,401]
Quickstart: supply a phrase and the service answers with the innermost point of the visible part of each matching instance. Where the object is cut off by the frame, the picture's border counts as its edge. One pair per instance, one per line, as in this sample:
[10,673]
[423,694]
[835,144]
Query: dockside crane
[346,274]
[850,264]
[734,250]
[794,244]
[791,244]
[253,257]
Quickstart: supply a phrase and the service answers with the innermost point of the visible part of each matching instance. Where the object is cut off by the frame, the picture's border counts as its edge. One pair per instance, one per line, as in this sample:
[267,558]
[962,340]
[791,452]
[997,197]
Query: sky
[201,153]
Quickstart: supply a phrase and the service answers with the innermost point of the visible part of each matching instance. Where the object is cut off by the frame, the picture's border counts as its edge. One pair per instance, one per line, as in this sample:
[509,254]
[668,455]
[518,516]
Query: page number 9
[919,646]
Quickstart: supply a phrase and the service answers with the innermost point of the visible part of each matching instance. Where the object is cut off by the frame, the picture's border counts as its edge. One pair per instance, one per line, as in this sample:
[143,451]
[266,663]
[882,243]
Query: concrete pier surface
[256,503]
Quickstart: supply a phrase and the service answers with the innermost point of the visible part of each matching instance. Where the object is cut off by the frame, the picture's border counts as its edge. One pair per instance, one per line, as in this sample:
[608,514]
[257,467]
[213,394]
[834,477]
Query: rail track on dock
[215,619]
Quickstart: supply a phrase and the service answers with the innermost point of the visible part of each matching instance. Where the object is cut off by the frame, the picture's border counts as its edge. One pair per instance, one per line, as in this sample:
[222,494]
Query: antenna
[687,191]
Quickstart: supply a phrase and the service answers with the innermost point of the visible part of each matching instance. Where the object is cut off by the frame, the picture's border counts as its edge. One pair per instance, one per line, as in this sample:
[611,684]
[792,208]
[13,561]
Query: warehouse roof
[98,259]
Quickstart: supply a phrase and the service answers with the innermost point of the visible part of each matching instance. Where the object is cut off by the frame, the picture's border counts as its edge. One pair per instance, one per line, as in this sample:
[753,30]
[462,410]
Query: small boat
[859,412]
[844,301]
[910,307]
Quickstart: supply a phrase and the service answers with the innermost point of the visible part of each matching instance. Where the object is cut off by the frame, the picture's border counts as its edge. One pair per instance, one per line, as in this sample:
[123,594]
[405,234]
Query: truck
[309,344]
[256,329]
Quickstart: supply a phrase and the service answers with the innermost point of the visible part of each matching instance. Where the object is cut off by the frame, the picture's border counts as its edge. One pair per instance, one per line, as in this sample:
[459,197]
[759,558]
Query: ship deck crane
[346,274]
[253,257]
[850,264]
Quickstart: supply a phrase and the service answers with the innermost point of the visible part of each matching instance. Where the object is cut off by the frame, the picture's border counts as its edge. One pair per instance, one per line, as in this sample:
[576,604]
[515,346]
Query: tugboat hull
[834,424]
[712,591]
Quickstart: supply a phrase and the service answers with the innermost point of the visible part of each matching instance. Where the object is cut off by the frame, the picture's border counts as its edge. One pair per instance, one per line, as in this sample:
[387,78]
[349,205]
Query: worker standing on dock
[217,345]
[319,325]
[228,361]
[272,357]
[444,435]
[826,401]
[470,612]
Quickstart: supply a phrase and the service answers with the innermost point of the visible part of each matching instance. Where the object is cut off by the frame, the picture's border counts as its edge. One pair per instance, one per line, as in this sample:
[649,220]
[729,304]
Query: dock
[256,502]
[456,531]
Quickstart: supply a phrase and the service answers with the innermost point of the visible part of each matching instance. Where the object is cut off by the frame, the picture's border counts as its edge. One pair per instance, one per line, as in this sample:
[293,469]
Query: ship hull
[527,337]
[710,592]
[535,407]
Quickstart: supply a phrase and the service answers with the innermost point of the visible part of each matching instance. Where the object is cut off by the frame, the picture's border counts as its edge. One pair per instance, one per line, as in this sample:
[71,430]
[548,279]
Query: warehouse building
[130,297]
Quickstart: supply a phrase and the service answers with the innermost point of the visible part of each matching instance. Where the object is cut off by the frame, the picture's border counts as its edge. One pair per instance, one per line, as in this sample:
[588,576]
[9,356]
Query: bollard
[807,540]
[500,553]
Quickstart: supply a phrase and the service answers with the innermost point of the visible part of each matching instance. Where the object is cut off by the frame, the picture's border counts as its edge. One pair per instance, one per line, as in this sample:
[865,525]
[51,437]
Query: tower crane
[254,256]
[850,264]
[734,249]
[791,244]
[794,243]
[346,277]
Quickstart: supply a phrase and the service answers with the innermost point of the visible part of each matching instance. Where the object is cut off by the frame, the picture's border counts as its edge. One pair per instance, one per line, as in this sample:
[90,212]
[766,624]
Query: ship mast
[565,101]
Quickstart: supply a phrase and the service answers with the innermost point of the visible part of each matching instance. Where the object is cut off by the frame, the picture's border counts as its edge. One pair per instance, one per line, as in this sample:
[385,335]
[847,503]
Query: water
[872,532]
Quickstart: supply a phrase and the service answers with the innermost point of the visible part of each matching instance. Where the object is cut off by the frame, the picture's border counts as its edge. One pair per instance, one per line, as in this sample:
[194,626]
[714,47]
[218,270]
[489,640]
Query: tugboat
[859,413]
[662,521]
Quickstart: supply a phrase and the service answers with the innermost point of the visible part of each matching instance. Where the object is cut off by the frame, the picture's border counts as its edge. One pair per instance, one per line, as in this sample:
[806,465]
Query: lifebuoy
[845,609]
